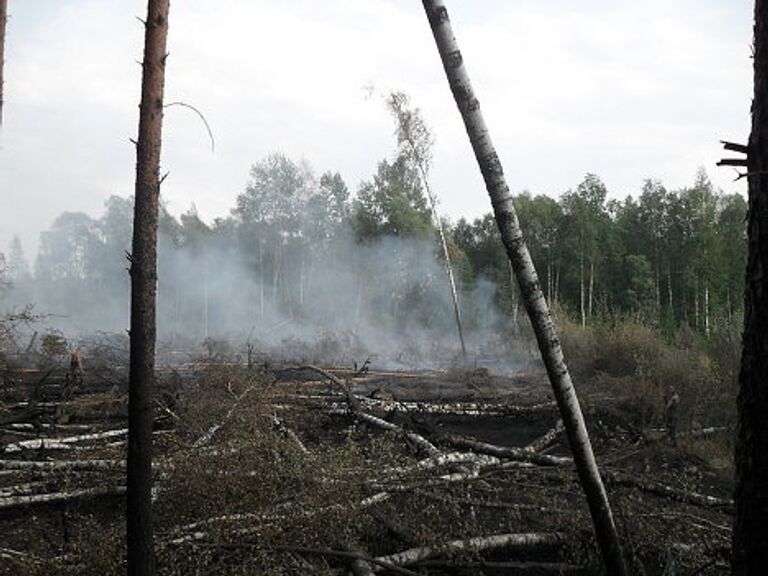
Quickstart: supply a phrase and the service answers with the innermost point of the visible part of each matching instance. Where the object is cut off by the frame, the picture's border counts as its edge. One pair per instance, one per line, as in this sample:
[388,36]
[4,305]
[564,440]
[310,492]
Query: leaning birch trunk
[535,304]
[3,20]
[143,272]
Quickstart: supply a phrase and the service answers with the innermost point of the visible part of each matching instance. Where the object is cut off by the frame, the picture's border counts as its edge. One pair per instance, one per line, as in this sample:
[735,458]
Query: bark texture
[750,537]
[143,271]
[3,20]
[533,298]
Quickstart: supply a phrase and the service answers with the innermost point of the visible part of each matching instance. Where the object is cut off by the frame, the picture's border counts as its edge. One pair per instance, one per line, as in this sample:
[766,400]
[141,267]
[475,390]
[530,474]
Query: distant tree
[143,272]
[5,280]
[750,537]
[68,250]
[583,229]
[732,246]
[18,268]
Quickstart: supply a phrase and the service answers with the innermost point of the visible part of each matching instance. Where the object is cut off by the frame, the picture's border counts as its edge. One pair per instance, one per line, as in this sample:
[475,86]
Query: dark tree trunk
[530,289]
[143,271]
[3,20]
[750,536]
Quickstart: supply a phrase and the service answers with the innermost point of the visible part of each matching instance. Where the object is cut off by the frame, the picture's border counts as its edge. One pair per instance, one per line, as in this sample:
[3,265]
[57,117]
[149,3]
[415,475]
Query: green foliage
[392,204]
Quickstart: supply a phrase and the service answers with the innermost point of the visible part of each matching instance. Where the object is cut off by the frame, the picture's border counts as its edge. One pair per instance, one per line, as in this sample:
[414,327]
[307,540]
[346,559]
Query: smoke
[336,300]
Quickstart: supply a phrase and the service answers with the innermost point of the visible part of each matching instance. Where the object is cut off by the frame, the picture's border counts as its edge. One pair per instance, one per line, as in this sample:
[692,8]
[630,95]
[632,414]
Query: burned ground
[290,470]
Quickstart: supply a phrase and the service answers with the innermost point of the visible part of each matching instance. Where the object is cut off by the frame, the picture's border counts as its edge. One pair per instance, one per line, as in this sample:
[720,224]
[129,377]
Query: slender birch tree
[3,20]
[143,271]
[750,537]
[530,289]
[414,135]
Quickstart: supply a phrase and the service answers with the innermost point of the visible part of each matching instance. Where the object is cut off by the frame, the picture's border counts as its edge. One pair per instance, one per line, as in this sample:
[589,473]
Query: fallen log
[658,489]
[548,438]
[497,541]
[416,439]
[527,567]
[356,410]
[62,443]
[453,408]
[21,489]
[75,465]
[58,497]
[519,454]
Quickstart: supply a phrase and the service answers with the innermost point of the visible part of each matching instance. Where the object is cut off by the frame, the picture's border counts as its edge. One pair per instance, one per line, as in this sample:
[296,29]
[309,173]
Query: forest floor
[294,470]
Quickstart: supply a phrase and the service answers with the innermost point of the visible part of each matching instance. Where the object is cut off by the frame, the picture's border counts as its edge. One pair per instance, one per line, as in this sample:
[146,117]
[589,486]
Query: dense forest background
[300,252]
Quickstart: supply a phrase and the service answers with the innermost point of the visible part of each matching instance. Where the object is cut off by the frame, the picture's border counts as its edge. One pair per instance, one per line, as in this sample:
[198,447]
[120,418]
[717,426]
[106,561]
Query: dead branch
[685,496]
[520,454]
[200,115]
[278,425]
[416,439]
[734,147]
[208,436]
[548,438]
[356,410]
[495,542]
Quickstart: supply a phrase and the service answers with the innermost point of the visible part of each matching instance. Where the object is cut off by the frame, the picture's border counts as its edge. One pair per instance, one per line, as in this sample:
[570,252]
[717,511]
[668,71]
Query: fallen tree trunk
[356,410]
[58,497]
[547,439]
[495,542]
[59,443]
[75,465]
[685,496]
[416,439]
[520,454]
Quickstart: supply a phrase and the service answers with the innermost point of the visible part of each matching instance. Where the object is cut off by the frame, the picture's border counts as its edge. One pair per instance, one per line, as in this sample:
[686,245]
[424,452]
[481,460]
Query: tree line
[674,258]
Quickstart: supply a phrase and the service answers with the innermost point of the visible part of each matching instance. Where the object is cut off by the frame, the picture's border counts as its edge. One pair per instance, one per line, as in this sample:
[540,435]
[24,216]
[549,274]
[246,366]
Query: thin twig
[200,114]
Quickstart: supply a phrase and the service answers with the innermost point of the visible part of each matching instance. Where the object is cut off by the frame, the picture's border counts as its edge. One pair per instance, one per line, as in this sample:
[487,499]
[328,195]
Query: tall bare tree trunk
[535,304]
[262,278]
[205,299]
[696,303]
[581,292]
[750,536]
[669,289]
[591,287]
[549,275]
[706,308]
[3,20]
[143,271]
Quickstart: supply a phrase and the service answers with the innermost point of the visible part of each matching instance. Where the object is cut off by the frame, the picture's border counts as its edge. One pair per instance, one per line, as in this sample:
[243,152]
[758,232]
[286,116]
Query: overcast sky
[625,89]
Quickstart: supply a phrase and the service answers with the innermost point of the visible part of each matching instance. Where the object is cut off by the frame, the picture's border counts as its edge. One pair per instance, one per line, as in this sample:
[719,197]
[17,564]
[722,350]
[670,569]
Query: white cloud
[624,89]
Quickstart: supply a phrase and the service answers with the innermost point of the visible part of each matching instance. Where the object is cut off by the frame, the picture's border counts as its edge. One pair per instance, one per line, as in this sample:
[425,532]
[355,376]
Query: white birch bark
[495,541]
[535,304]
